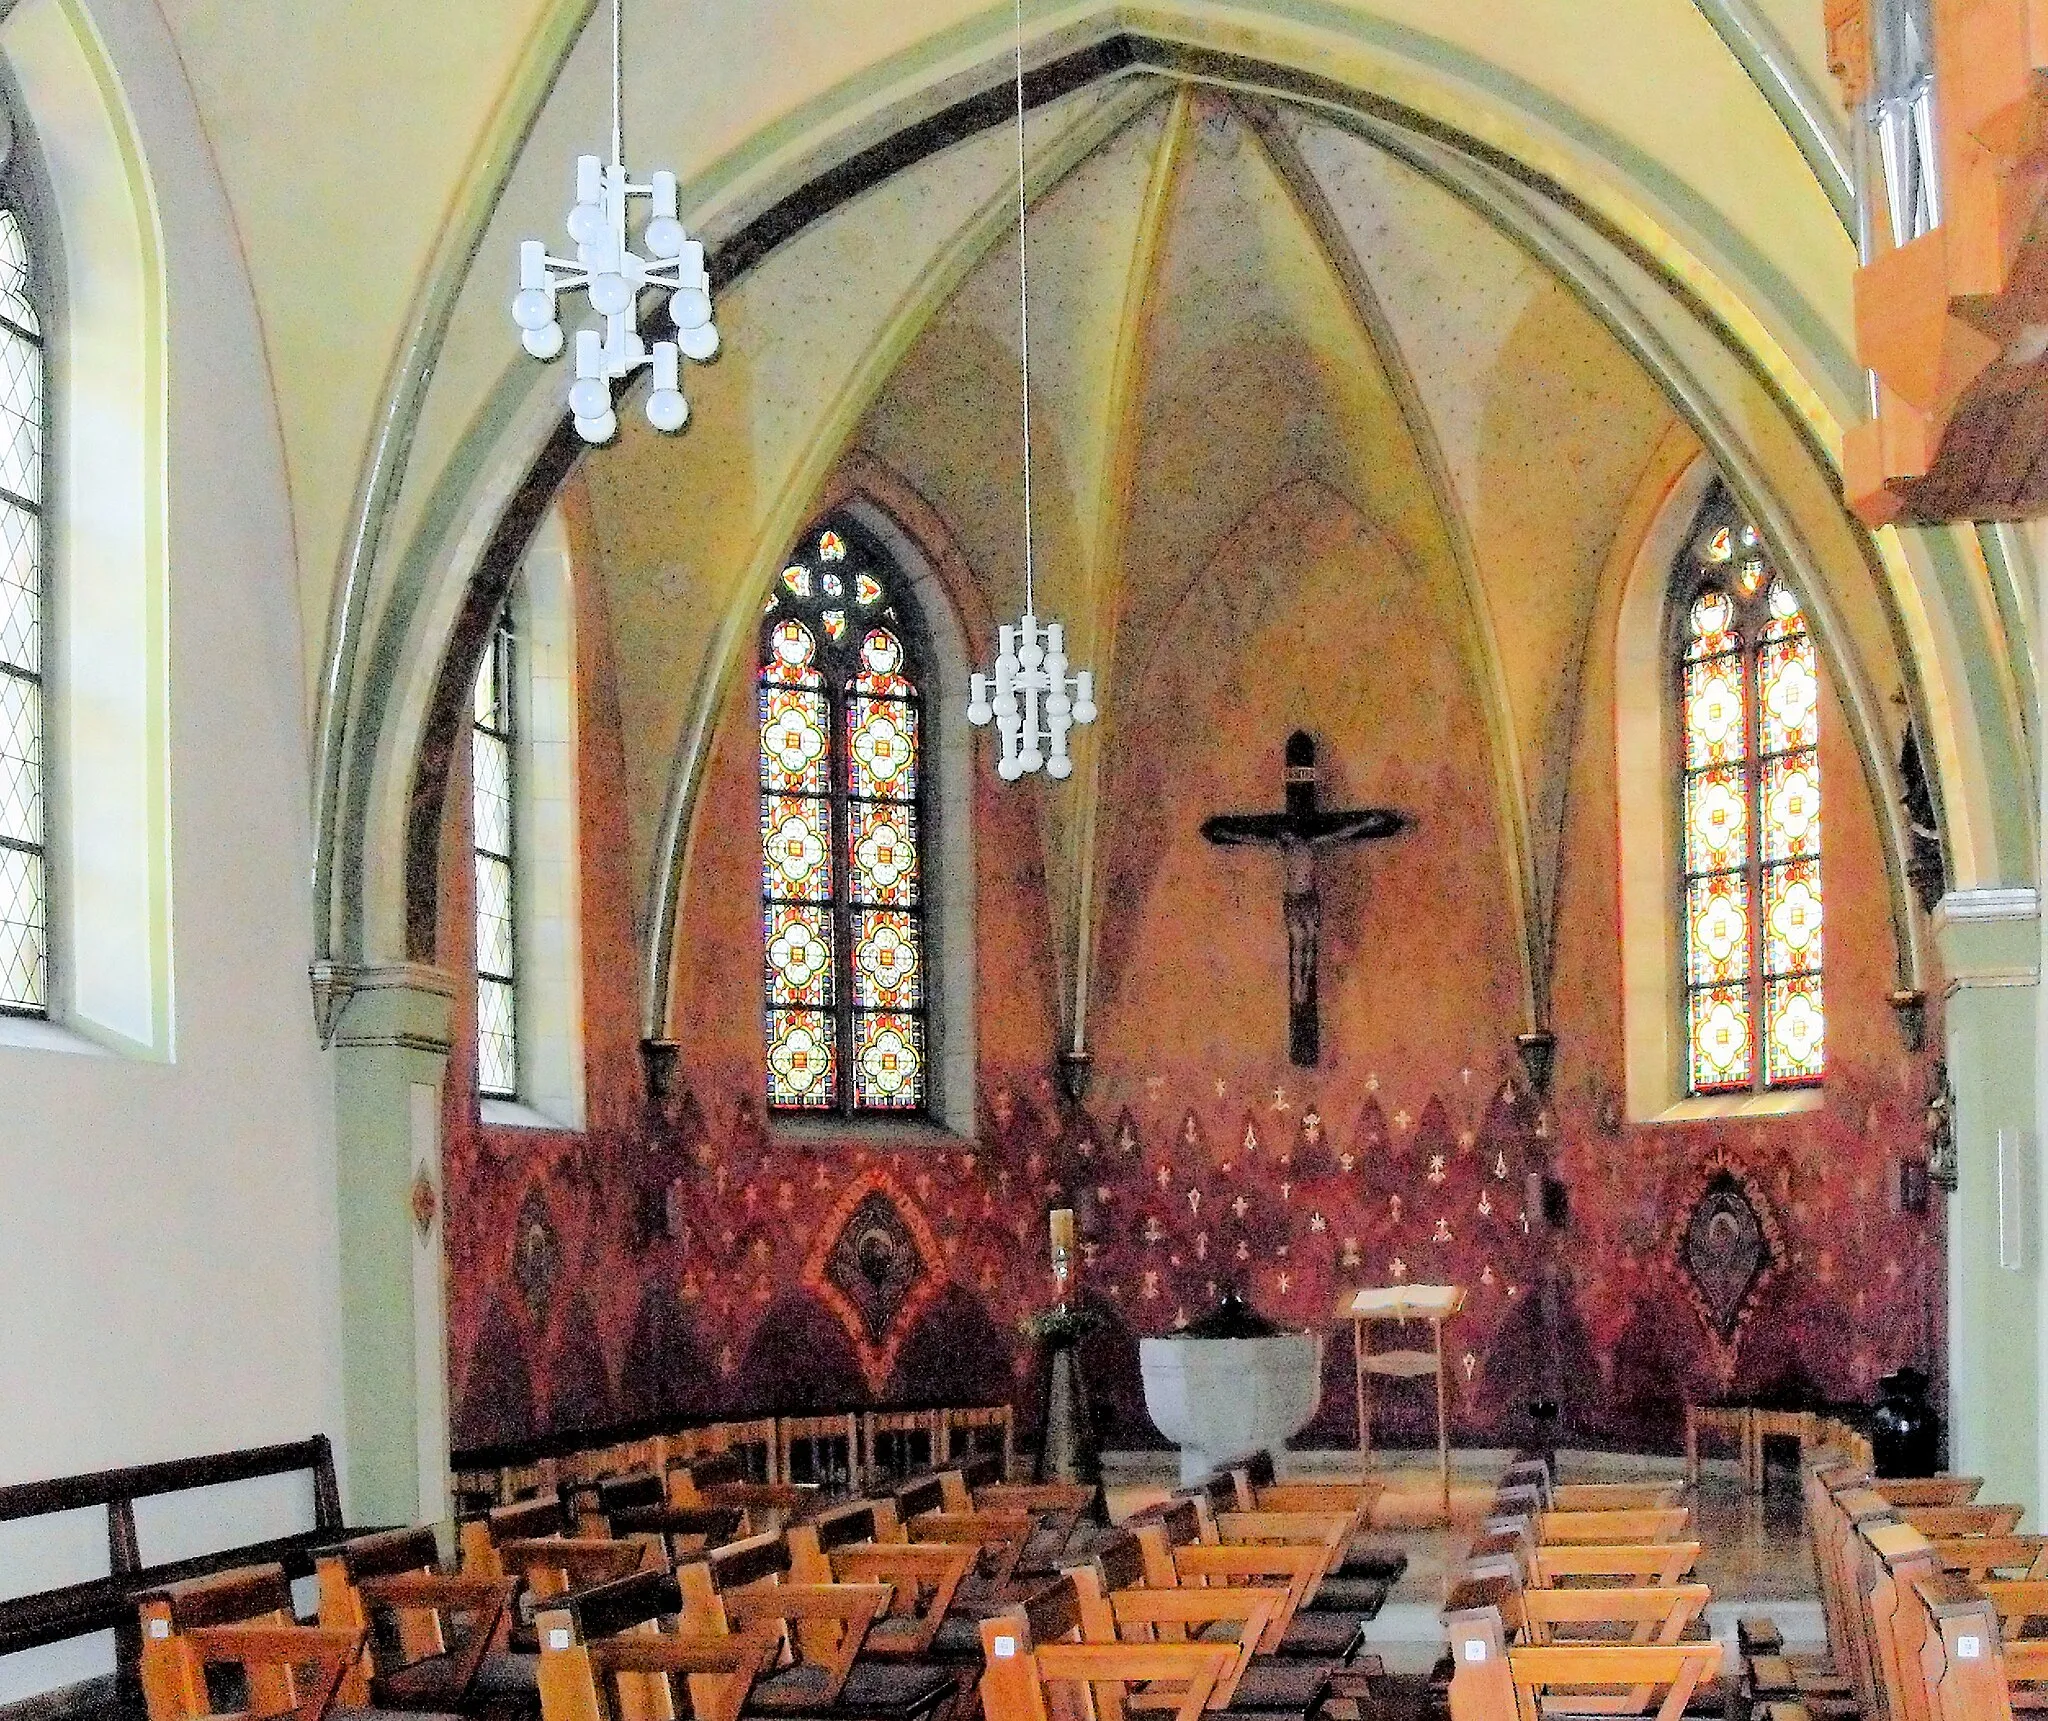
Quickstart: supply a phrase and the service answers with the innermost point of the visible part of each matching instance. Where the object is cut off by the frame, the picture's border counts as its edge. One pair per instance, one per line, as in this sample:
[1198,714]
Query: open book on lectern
[1401,1303]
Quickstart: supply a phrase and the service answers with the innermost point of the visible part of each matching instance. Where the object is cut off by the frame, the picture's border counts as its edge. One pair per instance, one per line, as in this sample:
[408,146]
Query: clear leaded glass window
[24,893]
[491,789]
[1749,723]
[841,834]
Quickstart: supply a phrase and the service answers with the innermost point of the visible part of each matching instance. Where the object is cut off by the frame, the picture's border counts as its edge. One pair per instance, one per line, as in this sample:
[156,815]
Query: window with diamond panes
[24,893]
[491,791]
[843,868]
[1749,726]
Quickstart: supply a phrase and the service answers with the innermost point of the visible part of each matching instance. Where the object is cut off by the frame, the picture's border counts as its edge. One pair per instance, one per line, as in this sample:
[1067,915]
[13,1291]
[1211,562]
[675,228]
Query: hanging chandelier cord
[1023,312]
[618,90]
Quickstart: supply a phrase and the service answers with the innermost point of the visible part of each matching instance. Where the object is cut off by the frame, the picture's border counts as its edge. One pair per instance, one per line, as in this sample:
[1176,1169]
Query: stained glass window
[24,895]
[842,767]
[1750,813]
[491,809]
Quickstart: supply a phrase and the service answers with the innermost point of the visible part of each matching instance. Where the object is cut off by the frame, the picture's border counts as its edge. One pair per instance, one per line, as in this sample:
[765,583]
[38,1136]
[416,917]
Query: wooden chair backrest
[1663,1564]
[1494,1679]
[1613,1529]
[1035,1670]
[1937,1522]
[243,1615]
[1653,1614]
[1980,1557]
[1929,1490]
[819,1449]
[604,1657]
[1141,1615]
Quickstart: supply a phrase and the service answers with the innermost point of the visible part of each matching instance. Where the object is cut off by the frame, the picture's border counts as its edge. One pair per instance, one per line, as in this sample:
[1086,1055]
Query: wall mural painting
[799,1274]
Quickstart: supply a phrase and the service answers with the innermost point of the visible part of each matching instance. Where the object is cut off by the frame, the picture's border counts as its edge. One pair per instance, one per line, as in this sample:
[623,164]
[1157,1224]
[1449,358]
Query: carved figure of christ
[1301,833]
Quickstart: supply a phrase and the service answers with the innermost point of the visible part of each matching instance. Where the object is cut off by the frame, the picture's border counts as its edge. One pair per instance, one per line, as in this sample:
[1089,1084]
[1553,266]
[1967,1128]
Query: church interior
[870,863]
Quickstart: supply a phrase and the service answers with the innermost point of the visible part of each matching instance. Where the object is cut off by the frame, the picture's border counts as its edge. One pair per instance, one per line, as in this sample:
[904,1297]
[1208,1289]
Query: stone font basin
[1222,1399]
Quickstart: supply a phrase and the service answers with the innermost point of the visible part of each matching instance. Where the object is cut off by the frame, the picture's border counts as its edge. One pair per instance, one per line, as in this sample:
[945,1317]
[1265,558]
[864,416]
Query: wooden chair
[1607,1529]
[999,1538]
[244,1618]
[1036,1671]
[965,1432]
[1587,1496]
[1661,1565]
[604,1657]
[1647,1614]
[439,1656]
[896,1444]
[1944,1522]
[1259,1488]
[1113,1612]
[1177,1557]
[725,1479]
[755,1445]
[821,1450]
[1494,1679]
[862,1544]
[824,1629]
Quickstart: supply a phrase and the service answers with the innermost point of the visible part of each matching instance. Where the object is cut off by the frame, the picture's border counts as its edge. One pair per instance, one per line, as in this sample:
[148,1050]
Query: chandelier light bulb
[606,268]
[610,296]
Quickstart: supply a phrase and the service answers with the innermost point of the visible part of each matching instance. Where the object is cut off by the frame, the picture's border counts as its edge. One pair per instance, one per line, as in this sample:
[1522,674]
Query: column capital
[1989,937]
[408,1005]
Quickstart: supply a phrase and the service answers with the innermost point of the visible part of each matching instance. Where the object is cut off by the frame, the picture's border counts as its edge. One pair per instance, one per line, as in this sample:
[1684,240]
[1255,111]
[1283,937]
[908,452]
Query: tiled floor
[1754,1554]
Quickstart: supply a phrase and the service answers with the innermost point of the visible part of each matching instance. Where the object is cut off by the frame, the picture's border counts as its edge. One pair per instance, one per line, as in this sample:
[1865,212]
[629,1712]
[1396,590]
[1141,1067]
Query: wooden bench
[108,1603]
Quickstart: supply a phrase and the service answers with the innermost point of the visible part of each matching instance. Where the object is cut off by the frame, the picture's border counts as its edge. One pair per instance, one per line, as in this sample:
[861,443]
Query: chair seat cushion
[1380,1565]
[1273,1684]
[1322,1637]
[882,1690]
[1361,1596]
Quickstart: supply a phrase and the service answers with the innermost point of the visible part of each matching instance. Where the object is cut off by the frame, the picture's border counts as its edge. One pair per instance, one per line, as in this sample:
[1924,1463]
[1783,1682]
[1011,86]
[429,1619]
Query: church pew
[825,1628]
[440,1654]
[1000,1538]
[243,1617]
[1497,1679]
[50,1616]
[823,1451]
[1036,1669]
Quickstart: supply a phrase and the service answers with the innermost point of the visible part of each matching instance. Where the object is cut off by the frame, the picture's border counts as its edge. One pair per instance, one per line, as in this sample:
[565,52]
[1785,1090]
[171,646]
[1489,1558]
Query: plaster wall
[167,1245]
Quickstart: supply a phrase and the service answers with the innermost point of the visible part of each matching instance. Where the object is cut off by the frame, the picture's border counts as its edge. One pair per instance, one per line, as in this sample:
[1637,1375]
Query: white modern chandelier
[1033,701]
[608,270]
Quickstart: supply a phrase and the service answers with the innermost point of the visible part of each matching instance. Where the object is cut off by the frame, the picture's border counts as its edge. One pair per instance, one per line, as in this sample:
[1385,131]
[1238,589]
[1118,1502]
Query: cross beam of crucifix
[1301,833]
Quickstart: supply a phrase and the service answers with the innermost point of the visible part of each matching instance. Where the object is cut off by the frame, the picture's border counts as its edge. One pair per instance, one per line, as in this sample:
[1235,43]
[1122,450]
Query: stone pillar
[1990,942]
[390,1027]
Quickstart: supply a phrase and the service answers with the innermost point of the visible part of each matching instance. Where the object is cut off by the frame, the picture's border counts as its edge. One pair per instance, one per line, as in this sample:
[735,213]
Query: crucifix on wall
[1301,833]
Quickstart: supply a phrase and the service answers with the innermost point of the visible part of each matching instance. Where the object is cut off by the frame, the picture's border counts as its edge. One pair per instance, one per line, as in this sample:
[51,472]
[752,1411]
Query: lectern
[1403,1303]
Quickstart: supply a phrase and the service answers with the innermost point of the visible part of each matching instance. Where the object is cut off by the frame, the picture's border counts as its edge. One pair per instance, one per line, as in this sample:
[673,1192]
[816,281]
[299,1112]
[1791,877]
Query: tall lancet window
[842,834]
[1749,723]
[491,790]
[24,893]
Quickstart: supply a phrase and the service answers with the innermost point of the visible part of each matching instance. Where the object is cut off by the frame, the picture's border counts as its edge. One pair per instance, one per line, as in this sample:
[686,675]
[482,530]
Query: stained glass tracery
[24,902]
[1751,908]
[491,818]
[841,724]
